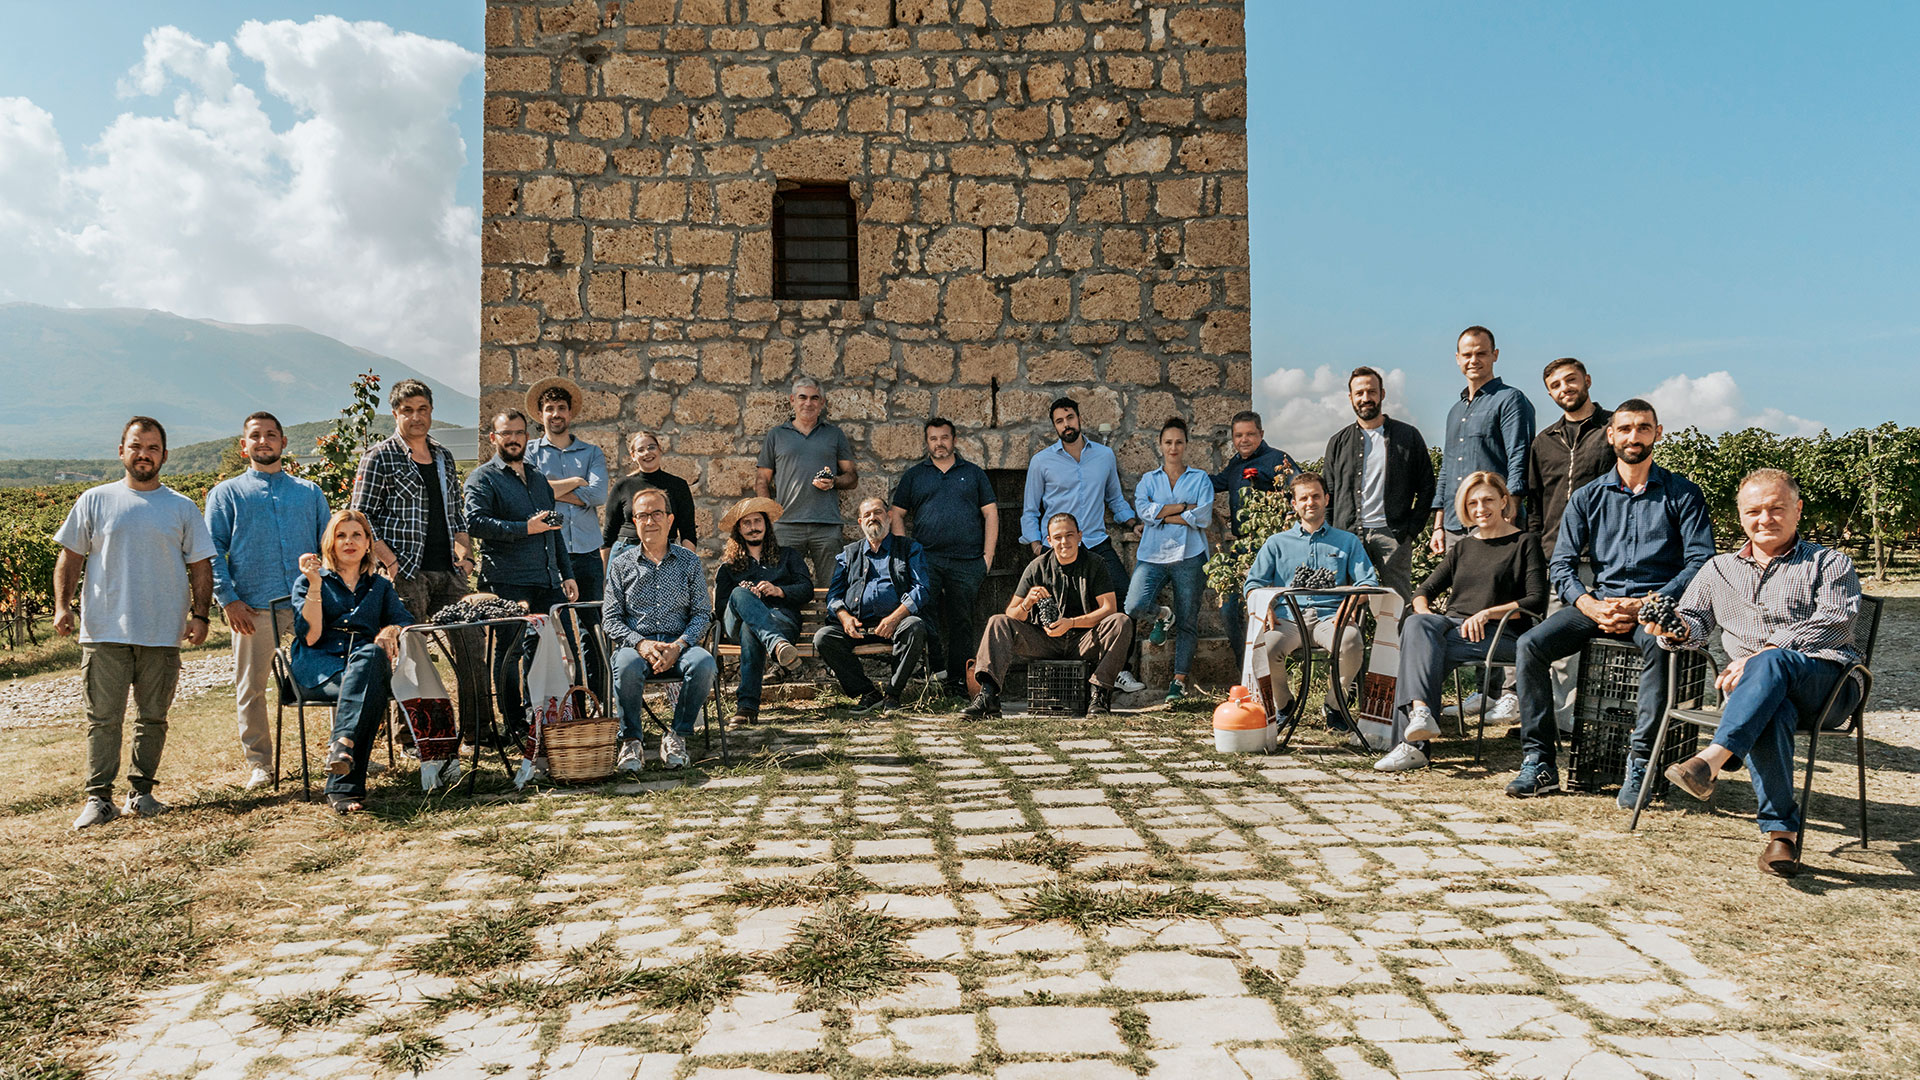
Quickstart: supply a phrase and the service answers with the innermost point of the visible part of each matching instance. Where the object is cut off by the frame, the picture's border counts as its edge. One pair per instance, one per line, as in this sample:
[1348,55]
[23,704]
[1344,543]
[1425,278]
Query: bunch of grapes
[1046,612]
[1315,577]
[1661,610]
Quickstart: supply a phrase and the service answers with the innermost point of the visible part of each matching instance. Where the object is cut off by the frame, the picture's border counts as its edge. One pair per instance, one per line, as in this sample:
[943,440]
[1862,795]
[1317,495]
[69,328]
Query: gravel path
[54,702]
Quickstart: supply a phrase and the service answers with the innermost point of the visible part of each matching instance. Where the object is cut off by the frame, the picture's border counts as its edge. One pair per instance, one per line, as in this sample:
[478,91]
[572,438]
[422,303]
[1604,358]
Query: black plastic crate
[1057,687]
[1606,708]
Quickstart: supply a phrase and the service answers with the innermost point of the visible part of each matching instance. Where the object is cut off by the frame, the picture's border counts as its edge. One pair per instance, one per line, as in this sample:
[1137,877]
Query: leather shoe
[1693,776]
[1780,858]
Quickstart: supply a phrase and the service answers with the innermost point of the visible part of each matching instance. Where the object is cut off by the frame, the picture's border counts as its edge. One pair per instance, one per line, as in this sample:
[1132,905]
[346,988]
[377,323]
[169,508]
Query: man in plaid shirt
[409,489]
[1785,608]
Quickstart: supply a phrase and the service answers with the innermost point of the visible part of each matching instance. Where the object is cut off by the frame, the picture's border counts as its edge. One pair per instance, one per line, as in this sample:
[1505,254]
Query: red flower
[1250,474]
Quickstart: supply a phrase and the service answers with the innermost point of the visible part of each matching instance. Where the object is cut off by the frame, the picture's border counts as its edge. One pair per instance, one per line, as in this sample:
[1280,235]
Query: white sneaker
[673,751]
[1404,758]
[259,778]
[1506,710]
[1421,725]
[138,805]
[1127,684]
[97,811]
[1469,707]
[633,756]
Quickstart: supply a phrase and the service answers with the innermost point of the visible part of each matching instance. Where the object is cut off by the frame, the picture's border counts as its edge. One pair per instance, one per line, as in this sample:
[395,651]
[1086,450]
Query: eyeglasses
[650,515]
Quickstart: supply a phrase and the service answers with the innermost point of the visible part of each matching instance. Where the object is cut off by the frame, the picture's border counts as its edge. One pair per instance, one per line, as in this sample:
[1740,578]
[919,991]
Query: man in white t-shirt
[148,560]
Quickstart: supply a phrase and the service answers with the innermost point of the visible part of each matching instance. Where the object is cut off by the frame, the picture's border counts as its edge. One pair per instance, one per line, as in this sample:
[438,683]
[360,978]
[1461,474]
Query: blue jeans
[1430,647]
[1233,612]
[757,628]
[1564,633]
[363,692]
[630,674]
[1189,578]
[953,584]
[1777,687]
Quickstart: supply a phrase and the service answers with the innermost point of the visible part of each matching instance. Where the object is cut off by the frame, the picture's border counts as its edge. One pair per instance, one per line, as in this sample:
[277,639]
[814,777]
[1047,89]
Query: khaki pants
[1283,642]
[253,682]
[1103,648]
[107,670]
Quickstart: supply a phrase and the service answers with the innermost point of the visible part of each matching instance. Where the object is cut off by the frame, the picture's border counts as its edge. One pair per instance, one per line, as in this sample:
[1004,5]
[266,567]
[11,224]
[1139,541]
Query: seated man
[762,590]
[1647,531]
[1333,556]
[879,588]
[654,612]
[1083,621]
[1785,608]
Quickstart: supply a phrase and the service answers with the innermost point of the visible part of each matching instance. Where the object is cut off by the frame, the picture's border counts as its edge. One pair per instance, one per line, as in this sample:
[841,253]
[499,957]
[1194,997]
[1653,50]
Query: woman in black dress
[644,450]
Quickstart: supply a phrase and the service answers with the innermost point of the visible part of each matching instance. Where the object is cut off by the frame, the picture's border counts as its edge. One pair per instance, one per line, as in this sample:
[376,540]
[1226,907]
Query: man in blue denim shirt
[1648,531]
[1489,428]
[262,521]
[576,470]
[1316,545]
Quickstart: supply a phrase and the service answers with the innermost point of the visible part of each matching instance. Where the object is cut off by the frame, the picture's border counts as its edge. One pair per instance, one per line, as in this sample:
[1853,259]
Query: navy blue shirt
[1235,481]
[1487,432]
[361,613]
[1656,540]
[863,580]
[499,505]
[946,507]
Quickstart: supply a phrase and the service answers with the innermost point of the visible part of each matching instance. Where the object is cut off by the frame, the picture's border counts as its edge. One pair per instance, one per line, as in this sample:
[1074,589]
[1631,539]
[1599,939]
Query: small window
[816,247]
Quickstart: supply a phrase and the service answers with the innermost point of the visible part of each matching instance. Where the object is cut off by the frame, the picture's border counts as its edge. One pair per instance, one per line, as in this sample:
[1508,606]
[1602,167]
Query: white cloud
[1303,409]
[1714,403]
[345,222]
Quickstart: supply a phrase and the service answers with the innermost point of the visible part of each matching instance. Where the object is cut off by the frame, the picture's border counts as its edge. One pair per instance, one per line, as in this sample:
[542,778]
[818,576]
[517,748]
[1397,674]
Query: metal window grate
[816,244]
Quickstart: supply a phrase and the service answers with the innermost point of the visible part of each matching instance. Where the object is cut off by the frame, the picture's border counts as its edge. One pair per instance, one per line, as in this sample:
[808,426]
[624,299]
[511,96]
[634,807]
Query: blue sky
[1715,203]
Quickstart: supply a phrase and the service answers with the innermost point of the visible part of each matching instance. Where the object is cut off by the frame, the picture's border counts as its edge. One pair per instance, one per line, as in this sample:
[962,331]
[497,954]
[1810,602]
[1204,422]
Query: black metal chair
[1844,710]
[1353,611]
[290,693]
[573,631]
[1487,664]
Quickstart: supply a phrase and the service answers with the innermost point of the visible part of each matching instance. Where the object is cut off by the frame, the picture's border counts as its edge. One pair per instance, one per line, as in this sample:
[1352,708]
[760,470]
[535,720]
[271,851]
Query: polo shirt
[795,460]
[946,507]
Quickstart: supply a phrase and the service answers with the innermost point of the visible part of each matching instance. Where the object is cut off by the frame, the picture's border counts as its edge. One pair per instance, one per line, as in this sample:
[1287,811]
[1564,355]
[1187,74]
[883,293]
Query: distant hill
[73,376]
[204,457]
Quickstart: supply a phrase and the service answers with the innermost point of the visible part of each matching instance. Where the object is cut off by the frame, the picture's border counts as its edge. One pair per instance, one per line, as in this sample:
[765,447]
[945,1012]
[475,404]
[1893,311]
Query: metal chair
[289,692]
[1353,610]
[566,613]
[1844,710]
[1487,664]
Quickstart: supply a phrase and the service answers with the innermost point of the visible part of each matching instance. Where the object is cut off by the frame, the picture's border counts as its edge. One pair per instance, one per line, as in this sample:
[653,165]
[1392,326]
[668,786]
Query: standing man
[576,470]
[1380,481]
[149,579]
[957,524]
[1254,466]
[261,521]
[1080,477]
[1568,455]
[879,590]
[409,489]
[1649,532]
[511,507]
[1489,429]
[806,460]
[655,615]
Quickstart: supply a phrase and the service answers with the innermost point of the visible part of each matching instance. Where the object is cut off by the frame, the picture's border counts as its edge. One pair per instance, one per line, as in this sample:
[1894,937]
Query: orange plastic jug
[1239,712]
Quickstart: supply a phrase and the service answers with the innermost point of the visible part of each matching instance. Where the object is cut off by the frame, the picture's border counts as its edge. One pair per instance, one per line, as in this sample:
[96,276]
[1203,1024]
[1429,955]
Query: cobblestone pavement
[31,703]
[1366,933]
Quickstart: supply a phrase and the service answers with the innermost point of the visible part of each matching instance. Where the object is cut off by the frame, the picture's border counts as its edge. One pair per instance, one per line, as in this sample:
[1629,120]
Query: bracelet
[202,618]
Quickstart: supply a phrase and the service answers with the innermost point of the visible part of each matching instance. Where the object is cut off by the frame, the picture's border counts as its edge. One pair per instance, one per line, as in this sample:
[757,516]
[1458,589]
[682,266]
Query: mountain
[209,456]
[78,373]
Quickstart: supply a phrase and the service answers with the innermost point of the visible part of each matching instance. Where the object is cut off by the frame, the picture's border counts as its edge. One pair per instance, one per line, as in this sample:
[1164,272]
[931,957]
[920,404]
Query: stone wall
[1052,200]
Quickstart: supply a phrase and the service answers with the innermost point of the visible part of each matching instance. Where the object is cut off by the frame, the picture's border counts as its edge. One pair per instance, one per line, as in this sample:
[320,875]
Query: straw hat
[744,507]
[541,387]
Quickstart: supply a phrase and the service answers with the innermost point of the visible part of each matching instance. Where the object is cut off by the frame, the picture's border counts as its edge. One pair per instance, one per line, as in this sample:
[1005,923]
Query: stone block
[726,362]
[815,157]
[778,12]
[660,294]
[1014,251]
[1021,125]
[661,202]
[766,410]
[617,366]
[865,355]
[650,409]
[898,442]
[1216,242]
[796,77]
[983,203]
[761,124]
[981,364]
[1041,299]
[1060,366]
[1192,374]
[502,153]
[1208,27]
[519,74]
[1227,332]
[972,310]
[1110,296]
[743,202]
[693,76]
[956,247]
[1132,367]
[702,247]
[510,324]
[1214,152]
[1181,302]
[514,242]
[1046,204]
[628,76]
[607,202]
[629,246]
[1140,156]
[928,363]
[696,407]
[909,300]
[557,292]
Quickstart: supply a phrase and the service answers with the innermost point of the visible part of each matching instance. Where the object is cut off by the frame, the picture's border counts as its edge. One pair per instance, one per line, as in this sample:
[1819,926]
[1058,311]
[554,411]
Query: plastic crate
[1057,687]
[1606,708]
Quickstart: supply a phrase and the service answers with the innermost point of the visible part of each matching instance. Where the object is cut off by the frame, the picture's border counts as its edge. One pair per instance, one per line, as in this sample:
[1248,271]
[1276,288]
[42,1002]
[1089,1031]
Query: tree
[340,449]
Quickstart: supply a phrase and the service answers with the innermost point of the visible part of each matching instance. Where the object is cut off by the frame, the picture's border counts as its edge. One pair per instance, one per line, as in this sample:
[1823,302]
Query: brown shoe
[741,720]
[1780,858]
[1693,776]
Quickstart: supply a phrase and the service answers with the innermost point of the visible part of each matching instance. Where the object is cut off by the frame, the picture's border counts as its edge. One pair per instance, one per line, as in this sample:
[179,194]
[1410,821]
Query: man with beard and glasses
[1566,456]
[524,555]
[1489,429]
[1080,477]
[149,580]
[577,471]
[879,590]
[956,521]
[262,521]
[1380,481]
[761,592]
[1254,466]
[1649,532]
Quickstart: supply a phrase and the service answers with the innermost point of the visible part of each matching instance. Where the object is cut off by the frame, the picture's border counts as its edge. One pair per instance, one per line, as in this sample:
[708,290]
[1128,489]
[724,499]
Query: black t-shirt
[1078,587]
[1487,573]
[439,551]
[620,506]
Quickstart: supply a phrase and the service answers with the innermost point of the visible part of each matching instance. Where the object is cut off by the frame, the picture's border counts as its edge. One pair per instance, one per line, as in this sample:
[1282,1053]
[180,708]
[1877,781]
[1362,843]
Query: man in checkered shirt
[410,491]
[655,612]
[1785,608]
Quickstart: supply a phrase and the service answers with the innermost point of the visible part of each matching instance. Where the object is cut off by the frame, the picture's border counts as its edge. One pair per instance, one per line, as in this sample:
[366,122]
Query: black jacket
[499,503]
[1564,458]
[1409,495]
[790,574]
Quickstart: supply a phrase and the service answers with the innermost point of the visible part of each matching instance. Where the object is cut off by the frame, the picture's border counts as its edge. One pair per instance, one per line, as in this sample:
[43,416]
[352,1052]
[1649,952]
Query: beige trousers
[253,688]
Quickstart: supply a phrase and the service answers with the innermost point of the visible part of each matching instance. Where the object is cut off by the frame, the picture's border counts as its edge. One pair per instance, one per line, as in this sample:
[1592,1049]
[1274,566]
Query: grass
[835,882]
[314,1008]
[480,943]
[533,860]
[1087,907]
[842,953]
[319,858]
[410,1052]
[1041,849]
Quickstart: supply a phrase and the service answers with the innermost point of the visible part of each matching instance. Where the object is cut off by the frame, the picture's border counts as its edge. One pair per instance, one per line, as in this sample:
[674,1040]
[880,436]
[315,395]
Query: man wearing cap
[804,463]
[576,470]
[761,590]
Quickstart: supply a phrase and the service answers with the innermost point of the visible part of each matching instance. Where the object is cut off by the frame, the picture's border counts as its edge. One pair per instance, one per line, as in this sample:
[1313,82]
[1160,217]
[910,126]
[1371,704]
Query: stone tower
[1048,197]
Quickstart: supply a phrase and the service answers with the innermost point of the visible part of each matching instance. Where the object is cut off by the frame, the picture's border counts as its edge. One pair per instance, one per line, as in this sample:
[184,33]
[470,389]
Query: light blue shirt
[262,522]
[1087,488]
[1176,539]
[579,525]
[1288,550]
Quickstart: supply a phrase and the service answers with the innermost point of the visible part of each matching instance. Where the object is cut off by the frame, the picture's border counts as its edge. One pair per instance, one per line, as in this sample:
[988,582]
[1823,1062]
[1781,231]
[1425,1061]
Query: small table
[486,726]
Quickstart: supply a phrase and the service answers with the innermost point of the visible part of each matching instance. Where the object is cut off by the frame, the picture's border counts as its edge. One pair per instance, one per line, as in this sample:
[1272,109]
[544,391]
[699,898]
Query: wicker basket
[582,750]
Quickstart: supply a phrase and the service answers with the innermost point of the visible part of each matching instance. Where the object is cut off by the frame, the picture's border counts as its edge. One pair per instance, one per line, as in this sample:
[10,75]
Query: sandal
[340,758]
[347,804]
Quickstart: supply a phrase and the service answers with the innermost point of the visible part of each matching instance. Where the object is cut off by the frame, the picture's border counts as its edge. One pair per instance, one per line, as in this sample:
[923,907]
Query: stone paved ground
[1368,932]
